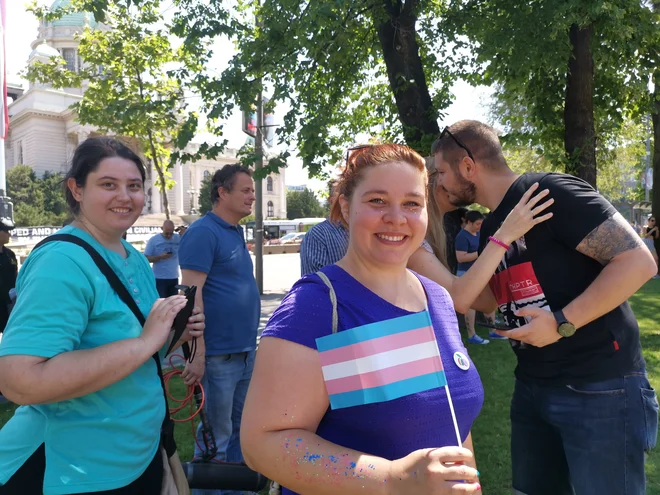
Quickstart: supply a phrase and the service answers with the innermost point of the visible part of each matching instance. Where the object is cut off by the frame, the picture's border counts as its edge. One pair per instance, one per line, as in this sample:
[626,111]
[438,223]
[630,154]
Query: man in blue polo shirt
[214,257]
[163,251]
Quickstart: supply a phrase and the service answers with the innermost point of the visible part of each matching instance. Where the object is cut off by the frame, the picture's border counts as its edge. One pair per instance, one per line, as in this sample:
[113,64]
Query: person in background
[76,358]
[214,257]
[181,229]
[402,446]
[650,235]
[453,222]
[583,413]
[467,247]
[324,244]
[163,251]
[8,271]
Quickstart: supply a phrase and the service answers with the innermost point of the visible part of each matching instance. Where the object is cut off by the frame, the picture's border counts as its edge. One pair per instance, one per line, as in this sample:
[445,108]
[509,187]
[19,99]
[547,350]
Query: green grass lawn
[491,431]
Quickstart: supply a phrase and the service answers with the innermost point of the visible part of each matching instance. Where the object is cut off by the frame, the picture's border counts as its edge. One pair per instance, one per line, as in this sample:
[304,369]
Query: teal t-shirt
[104,440]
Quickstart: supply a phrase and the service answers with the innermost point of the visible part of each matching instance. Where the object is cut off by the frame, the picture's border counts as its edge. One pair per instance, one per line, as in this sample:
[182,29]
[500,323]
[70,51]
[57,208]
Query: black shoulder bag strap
[167,430]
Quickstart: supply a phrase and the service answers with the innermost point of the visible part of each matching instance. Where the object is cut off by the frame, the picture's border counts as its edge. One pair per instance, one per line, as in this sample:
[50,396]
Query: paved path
[281,271]
[269,303]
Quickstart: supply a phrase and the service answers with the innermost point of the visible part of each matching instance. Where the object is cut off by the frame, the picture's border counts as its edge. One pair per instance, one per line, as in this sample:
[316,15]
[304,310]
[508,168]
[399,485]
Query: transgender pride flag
[381,361]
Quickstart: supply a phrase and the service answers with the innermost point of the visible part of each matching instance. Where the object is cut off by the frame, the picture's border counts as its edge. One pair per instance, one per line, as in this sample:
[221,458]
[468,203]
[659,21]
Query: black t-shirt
[543,269]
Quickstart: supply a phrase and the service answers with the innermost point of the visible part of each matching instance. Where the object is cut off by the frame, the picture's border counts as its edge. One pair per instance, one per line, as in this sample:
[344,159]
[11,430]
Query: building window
[69,56]
[271,209]
[269,184]
[207,174]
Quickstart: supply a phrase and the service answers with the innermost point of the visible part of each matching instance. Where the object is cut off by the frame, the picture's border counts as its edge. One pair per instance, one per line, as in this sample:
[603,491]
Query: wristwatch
[564,327]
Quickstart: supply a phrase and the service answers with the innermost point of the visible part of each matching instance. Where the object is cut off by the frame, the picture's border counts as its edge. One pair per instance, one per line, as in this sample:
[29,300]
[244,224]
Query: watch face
[566,329]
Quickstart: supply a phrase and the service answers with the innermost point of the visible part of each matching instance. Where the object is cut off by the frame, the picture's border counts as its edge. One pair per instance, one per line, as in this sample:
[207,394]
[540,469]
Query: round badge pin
[461,361]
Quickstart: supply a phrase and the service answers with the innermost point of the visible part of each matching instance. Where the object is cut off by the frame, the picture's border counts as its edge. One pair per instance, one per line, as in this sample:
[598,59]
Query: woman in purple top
[402,446]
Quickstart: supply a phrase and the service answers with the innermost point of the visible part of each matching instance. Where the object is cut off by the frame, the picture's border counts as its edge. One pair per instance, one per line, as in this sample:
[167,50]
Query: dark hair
[473,216]
[364,157]
[87,158]
[226,178]
[479,138]
[461,211]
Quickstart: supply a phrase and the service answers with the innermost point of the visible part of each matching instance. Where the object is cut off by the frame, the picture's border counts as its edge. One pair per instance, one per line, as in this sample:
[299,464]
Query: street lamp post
[648,178]
[258,189]
[191,192]
[259,206]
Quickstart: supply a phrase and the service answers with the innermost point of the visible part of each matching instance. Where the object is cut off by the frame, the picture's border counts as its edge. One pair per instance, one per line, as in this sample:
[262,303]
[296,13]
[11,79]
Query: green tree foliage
[129,91]
[576,69]
[205,204]
[620,162]
[36,201]
[246,220]
[341,68]
[303,204]
[54,202]
[652,64]
[573,65]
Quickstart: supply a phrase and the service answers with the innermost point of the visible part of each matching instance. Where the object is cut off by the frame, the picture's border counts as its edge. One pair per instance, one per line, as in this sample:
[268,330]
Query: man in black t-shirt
[8,271]
[583,412]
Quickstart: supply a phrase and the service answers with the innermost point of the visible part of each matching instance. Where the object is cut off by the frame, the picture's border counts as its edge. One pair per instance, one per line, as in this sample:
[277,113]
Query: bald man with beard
[163,251]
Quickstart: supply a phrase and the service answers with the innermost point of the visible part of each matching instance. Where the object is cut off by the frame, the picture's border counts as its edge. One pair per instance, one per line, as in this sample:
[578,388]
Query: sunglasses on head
[447,132]
[355,148]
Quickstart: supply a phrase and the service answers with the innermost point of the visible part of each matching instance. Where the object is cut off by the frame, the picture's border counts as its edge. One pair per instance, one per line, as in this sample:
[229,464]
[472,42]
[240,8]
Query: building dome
[75,19]
[44,50]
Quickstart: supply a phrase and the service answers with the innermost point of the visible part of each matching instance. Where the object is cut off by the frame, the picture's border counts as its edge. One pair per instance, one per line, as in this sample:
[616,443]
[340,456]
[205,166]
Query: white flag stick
[453,417]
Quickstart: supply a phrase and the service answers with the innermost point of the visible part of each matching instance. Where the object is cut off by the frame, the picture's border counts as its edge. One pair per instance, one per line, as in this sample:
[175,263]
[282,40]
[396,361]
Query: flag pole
[451,403]
[453,417]
[6,207]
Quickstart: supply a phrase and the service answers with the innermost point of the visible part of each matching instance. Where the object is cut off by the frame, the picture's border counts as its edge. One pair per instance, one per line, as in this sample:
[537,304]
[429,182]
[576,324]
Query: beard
[465,193]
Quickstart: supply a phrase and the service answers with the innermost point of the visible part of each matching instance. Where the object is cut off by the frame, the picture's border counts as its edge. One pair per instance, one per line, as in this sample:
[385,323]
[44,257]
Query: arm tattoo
[611,238]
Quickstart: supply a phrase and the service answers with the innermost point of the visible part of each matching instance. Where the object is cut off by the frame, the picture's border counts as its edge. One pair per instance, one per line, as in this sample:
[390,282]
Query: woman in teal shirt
[75,356]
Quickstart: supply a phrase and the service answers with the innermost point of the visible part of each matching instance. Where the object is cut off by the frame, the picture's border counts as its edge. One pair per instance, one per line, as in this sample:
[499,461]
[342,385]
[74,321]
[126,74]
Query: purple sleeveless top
[398,427]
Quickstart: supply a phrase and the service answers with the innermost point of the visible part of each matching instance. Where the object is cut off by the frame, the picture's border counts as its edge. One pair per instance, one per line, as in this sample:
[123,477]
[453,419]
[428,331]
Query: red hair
[362,158]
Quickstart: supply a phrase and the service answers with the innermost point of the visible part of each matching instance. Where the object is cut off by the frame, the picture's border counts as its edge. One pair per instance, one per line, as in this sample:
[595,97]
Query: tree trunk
[655,153]
[579,129]
[162,189]
[154,156]
[398,39]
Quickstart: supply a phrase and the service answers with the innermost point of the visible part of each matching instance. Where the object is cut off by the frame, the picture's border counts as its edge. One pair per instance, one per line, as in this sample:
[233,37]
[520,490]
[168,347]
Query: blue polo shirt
[106,439]
[169,268]
[232,304]
[467,243]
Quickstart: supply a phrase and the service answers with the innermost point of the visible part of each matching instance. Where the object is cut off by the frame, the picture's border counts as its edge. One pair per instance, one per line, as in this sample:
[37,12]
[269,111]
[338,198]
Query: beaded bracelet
[499,243]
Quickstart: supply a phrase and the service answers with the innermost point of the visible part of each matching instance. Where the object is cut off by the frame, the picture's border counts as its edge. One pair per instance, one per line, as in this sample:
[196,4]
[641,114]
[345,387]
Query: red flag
[4,116]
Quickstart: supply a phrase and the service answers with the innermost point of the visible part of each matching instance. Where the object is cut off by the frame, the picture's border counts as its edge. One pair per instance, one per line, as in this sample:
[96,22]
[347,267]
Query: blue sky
[470,103]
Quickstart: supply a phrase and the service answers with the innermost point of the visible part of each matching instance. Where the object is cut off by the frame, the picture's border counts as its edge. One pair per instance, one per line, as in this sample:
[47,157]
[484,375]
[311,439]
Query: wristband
[499,243]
